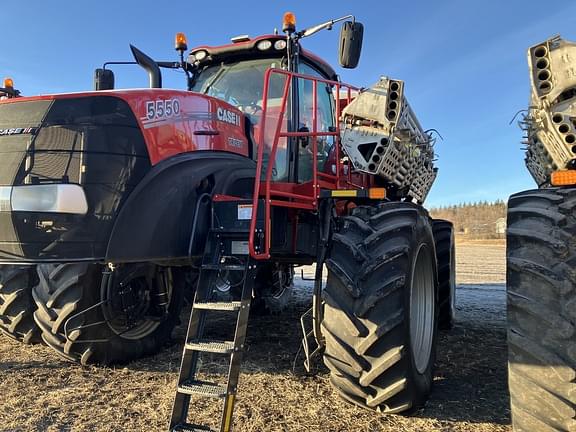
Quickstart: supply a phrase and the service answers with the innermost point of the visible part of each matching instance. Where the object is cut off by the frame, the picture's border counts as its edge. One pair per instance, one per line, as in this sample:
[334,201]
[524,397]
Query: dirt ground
[39,392]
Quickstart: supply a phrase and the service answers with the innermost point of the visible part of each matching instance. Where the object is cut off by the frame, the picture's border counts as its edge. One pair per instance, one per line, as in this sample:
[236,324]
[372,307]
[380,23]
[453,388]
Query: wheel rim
[144,326]
[422,303]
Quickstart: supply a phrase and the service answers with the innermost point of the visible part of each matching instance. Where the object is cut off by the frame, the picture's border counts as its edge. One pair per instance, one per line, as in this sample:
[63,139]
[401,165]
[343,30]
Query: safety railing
[303,196]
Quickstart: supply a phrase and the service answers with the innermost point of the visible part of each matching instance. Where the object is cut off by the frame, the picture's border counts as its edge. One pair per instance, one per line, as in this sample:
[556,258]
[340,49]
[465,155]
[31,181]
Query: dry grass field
[40,392]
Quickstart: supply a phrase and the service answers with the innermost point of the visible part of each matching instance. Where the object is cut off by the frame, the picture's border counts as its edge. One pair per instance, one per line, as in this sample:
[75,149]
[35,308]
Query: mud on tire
[376,358]
[16,303]
[541,284]
[78,328]
[446,257]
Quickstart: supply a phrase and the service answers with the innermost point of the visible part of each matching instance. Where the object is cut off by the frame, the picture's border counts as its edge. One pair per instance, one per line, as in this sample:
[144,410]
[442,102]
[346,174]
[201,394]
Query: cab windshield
[240,83]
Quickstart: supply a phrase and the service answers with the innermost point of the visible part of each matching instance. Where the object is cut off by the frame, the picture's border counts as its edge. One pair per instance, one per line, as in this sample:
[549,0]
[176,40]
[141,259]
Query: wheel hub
[133,312]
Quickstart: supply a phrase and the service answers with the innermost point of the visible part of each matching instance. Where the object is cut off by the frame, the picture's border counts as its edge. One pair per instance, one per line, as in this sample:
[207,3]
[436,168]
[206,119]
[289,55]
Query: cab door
[325,122]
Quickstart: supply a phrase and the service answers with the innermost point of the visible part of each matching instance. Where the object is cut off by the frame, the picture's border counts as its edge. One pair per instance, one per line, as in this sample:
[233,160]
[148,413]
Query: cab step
[229,267]
[199,342]
[212,346]
[202,388]
[219,306]
[188,427]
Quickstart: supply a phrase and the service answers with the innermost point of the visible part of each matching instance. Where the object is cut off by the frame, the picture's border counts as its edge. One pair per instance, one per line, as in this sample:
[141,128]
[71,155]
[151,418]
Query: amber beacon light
[289,23]
[181,44]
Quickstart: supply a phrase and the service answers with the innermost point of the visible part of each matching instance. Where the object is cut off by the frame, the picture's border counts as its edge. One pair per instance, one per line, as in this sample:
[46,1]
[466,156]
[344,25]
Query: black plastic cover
[91,141]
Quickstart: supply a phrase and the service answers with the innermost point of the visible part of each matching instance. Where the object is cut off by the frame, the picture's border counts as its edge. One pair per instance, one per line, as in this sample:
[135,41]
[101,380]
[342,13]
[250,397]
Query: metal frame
[297,196]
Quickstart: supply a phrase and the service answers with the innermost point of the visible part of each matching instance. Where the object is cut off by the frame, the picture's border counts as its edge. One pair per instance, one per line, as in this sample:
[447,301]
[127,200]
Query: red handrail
[303,202]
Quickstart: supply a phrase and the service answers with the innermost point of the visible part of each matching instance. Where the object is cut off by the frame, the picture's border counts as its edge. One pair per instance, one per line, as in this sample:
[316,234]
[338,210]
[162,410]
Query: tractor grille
[93,141]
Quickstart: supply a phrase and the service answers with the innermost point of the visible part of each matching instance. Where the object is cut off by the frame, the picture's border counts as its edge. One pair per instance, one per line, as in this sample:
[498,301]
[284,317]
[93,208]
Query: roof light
[280,44]
[181,44]
[200,55]
[8,83]
[563,178]
[289,23]
[240,38]
[264,45]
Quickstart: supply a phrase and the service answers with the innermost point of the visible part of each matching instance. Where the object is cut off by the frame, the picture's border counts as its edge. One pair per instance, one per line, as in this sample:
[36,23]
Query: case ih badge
[17,131]
[228,116]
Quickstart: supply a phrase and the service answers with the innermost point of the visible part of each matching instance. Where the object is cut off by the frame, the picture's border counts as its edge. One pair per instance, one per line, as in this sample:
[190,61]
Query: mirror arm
[327,25]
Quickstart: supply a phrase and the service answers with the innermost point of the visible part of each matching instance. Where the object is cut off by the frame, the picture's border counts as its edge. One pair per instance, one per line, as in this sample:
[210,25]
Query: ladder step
[238,232]
[222,306]
[213,346]
[230,267]
[202,388]
[187,427]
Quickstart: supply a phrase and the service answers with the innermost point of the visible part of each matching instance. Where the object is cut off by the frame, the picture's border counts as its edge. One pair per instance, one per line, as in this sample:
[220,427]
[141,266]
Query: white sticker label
[244,211]
[239,248]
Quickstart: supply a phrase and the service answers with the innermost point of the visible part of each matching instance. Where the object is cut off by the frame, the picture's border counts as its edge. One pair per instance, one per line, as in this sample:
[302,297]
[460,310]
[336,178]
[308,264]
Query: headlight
[280,44]
[264,45]
[200,55]
[50,198]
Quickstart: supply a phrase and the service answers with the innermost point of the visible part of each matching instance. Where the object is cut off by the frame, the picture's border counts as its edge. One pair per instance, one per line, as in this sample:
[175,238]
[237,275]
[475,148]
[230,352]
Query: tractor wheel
[16,303]
[380,316]
[274,288]
[91,322]
[541,284]
[446,258]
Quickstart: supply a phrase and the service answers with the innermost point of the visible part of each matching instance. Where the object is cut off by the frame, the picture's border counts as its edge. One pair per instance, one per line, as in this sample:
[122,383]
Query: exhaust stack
[149,65]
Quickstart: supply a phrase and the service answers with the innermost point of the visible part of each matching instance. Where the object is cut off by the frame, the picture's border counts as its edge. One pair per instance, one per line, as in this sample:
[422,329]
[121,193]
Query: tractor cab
[236,74]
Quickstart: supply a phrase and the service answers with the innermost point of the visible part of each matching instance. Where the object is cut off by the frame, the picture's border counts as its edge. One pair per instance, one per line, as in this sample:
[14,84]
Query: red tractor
[116,203]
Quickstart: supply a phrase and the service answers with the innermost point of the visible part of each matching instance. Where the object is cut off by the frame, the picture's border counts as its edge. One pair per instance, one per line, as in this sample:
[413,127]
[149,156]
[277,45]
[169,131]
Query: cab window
[325,121]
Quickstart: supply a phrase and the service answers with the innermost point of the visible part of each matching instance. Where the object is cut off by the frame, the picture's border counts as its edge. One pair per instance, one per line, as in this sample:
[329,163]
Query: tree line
[479,220]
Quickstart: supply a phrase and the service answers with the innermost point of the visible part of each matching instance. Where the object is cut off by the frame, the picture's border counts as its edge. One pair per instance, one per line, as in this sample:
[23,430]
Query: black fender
[155,223]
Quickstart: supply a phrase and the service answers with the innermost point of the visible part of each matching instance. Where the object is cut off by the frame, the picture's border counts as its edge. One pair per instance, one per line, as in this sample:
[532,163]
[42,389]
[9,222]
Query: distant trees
[480,220]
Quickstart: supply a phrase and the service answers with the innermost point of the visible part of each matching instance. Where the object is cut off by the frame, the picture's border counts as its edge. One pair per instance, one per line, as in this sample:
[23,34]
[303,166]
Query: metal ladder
[219,244]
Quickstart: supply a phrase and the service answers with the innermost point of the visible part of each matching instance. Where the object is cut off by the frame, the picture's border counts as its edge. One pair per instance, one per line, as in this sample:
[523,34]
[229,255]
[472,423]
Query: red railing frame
[328,181]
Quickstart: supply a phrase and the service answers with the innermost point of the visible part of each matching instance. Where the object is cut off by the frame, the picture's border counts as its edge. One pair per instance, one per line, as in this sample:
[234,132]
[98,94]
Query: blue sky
[464,63]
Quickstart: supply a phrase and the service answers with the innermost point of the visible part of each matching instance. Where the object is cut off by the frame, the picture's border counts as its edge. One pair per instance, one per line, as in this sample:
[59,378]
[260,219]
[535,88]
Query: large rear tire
[380,313]
[541,284]
[130,324]
[16,303]
[446,258]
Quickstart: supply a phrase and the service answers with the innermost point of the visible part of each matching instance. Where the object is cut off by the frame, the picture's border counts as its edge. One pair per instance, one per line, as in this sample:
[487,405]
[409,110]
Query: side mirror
[103,79]
[350,48]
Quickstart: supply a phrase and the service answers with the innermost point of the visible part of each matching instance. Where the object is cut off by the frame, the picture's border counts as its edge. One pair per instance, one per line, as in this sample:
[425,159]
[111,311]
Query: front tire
[16,303]
[130,323]
[541,280]
[380,313]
